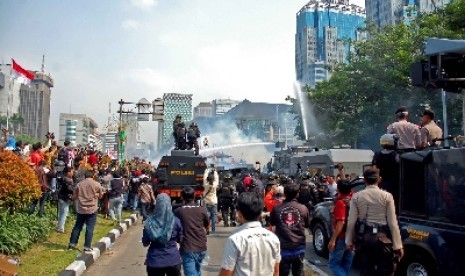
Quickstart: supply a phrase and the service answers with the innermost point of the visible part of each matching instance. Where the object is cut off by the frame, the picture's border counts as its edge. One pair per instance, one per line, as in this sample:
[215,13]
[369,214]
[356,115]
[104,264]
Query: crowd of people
[272,210]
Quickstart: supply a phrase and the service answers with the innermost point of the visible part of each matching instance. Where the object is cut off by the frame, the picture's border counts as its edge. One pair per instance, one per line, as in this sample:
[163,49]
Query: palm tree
[16,121]
[2,121]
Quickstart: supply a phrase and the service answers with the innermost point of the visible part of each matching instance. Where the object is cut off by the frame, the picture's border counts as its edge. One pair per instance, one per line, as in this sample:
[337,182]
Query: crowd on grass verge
[76,178]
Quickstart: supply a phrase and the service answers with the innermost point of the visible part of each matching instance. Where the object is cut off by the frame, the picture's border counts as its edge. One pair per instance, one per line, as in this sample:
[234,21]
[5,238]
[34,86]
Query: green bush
[20,230]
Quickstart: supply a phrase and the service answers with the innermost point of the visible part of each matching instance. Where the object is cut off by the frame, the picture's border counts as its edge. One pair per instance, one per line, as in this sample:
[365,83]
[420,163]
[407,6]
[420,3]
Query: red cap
[138,173]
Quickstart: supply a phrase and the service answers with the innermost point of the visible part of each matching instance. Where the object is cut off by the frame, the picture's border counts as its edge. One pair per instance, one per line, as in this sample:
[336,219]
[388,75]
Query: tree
[360,98]
[16,120]
[26,139]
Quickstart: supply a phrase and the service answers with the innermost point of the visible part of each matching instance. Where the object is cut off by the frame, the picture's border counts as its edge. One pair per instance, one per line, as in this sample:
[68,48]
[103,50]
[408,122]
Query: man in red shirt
[36,155]
[340,259]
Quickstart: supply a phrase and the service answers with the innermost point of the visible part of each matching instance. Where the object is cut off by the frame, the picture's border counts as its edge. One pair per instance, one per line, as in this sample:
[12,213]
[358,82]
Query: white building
[9,91]
[221,106]
[76,128]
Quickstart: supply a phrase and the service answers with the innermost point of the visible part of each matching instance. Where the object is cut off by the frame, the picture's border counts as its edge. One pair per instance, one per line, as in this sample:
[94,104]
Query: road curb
[85,260]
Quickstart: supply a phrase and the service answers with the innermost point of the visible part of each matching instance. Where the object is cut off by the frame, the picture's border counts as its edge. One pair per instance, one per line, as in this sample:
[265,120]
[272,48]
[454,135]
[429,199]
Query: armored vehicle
[180,169]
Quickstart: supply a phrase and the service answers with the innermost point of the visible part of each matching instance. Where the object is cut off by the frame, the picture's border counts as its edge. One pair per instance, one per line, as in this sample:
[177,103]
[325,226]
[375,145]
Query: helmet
[305,175]
[389,141]
[227,175]
[178,116]
[193,124]
[272,176]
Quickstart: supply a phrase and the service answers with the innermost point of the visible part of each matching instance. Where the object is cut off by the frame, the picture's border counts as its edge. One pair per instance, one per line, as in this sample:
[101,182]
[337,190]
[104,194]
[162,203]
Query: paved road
[128,254]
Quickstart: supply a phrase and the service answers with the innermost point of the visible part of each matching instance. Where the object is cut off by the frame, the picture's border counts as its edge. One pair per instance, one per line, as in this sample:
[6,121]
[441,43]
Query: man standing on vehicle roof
[409,134]
[430,130]
[378,236]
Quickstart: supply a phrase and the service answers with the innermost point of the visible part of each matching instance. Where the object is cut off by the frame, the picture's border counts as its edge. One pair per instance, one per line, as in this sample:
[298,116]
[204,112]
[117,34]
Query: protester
[115,196]
[146,197]
[65,194]
[251,249]
[340,259]
[43,174]
[291,219]
[195,223]
[210,184]
[162,231]
[86,194]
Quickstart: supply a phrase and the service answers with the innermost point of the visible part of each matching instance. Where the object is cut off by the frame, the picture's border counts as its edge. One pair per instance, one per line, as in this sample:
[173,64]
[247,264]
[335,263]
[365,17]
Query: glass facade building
[174,104]
[390,12]
[324,31]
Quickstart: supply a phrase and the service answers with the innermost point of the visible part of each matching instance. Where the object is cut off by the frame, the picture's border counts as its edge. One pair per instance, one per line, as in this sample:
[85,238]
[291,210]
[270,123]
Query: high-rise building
[9,91]
[35,105]
[174,104]
[324,29]
[390,12]
[76,128]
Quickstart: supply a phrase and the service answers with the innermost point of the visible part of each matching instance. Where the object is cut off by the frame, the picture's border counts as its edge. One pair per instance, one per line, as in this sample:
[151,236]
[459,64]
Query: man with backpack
[66,155]
[340,258]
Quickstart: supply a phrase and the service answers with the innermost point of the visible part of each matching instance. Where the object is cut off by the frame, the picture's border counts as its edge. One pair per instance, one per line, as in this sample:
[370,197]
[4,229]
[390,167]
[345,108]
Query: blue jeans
[135,201]
[143,209]
[340,259]
[211,209]
[192,262]
[63,208]
[90,220]
[41,203]
[116,205]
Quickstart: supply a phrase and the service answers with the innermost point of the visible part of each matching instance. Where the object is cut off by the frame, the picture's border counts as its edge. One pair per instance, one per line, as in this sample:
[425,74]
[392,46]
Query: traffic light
[158,110]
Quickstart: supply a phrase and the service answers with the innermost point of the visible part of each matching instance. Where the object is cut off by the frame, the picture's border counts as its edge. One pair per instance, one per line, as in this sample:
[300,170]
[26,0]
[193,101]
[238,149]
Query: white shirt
[332,188]
[251,250]
[210,190]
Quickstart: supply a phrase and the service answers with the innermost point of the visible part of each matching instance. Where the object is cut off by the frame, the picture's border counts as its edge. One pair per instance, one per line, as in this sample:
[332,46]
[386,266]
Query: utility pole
[463,111]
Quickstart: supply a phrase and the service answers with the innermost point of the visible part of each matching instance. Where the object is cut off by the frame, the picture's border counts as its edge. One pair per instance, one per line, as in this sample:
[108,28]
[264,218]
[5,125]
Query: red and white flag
[21,75]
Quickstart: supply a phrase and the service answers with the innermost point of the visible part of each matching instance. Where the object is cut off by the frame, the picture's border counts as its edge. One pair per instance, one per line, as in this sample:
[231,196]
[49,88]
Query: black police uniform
[226,200]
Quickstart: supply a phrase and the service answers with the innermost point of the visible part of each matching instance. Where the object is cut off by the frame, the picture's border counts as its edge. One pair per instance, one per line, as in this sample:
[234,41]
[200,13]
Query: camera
[50,135]
[338,166]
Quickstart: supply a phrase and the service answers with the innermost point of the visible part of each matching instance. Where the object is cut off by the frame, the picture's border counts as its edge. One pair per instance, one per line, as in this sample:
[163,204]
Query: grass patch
[51,256]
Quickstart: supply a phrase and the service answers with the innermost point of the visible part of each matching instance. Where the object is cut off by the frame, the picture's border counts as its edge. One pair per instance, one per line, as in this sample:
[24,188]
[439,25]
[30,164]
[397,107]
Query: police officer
[388,162]
[378,237]
[226,198]
[430,131]
[409,134]
[193,133]
[307,190]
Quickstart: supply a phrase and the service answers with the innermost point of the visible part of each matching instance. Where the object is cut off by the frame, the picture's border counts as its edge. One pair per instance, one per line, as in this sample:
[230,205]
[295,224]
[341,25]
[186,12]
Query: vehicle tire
[417,264]
[320,240]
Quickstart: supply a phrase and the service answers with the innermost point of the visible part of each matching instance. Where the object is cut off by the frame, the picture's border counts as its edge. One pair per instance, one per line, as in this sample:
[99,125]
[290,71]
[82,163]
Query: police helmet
[305,175]
[272,176]
[193,124]
[227,175]
[389,141]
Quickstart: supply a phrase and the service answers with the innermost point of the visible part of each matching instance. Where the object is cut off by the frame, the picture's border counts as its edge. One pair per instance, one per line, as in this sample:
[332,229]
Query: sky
[99,52]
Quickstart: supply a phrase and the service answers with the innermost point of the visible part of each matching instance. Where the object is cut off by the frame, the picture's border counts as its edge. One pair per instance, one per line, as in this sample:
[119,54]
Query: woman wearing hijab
[162,230]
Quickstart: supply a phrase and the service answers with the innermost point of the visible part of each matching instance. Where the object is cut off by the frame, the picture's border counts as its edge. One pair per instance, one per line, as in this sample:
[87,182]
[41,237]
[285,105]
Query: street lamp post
[157,112]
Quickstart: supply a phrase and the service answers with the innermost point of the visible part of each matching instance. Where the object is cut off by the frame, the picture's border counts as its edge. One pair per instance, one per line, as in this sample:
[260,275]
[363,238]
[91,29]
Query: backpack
[63,155]
[226,189]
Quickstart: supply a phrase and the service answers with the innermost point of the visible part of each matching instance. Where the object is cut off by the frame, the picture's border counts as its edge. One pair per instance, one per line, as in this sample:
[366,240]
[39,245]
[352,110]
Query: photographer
[65,193]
